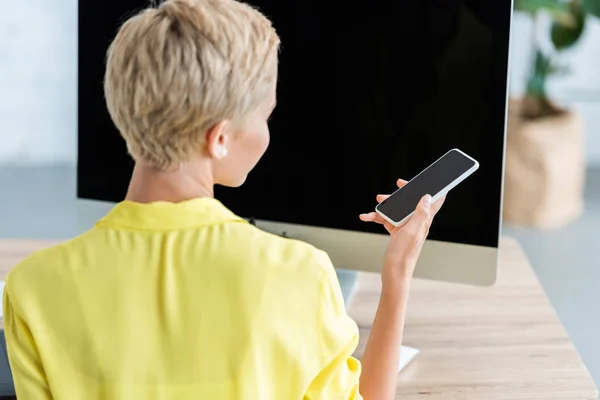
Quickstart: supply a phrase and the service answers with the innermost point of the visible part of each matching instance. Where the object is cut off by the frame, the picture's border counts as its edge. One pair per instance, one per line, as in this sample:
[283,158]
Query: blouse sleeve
[28,374]
[339,374]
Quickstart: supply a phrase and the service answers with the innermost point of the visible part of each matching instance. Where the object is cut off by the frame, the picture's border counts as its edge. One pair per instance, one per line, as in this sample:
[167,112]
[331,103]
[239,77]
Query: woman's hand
[406,241]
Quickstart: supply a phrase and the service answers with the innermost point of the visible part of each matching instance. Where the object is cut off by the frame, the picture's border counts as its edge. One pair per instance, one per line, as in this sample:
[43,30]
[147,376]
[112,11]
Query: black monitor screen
[368,92]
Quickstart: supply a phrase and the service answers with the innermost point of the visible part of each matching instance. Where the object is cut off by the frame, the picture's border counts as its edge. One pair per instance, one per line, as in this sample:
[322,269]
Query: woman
[171,295]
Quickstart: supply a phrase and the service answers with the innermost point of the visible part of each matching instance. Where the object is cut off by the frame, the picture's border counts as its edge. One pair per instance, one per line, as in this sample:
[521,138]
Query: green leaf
[536,83]
[533,6]
[565,35]
[592,7]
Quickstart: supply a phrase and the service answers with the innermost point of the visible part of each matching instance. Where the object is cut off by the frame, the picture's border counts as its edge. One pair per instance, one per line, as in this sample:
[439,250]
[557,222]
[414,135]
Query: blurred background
[552,190]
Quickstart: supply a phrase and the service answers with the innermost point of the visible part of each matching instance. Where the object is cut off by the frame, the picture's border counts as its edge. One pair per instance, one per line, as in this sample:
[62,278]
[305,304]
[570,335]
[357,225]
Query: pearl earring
[222,152]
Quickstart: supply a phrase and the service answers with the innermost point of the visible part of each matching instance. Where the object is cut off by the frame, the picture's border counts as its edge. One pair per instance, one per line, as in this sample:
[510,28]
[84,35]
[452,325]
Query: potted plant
[545,158]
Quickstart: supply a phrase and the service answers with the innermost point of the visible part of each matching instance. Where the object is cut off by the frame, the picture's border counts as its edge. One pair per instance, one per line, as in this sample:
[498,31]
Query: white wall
[580,89]
[38,81]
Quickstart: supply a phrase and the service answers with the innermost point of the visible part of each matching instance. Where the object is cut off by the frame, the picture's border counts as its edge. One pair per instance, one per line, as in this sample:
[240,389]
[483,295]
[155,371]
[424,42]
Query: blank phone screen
[431,181]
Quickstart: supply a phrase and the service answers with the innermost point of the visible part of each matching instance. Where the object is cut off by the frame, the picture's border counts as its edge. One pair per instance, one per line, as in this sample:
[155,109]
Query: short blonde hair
[176,70]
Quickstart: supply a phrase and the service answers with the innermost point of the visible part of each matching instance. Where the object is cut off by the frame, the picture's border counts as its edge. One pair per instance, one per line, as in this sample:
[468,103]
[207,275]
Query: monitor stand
[407,354]
[348,280]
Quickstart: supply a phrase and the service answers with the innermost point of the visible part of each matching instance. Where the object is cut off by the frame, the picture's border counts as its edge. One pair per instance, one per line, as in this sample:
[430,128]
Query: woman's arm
[382,353]
[28,374]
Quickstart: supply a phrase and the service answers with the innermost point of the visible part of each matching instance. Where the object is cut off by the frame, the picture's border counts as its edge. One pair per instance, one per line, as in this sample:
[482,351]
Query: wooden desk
[482,343]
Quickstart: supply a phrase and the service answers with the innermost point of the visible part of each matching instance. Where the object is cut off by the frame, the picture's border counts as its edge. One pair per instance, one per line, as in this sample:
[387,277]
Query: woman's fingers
[374,217]
[382,197]
[371,217]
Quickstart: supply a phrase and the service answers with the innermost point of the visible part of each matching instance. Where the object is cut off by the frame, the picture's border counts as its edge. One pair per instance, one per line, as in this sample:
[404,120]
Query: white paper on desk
[2,283]
[407,354]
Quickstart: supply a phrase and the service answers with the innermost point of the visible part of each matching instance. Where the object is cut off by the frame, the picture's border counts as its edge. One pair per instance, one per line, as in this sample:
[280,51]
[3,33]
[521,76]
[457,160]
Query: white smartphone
[437,180]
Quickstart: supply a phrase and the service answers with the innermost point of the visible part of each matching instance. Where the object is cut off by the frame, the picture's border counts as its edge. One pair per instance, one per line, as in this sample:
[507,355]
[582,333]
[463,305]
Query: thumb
[422,215]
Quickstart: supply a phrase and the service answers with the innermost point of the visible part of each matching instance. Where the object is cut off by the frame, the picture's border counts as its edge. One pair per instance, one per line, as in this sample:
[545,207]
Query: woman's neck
[186,182]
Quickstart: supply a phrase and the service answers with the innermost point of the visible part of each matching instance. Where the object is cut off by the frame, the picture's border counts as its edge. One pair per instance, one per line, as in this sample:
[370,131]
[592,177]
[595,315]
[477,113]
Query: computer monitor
[368,92]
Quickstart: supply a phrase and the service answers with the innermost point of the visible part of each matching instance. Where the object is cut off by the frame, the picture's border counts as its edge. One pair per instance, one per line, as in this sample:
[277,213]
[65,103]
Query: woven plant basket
[545,169]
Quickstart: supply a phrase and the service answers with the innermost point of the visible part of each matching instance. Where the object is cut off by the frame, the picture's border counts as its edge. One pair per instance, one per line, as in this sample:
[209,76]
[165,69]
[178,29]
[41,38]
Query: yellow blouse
[179,301]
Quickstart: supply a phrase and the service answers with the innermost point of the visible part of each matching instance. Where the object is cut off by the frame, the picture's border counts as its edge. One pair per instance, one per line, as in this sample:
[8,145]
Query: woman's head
[194,79]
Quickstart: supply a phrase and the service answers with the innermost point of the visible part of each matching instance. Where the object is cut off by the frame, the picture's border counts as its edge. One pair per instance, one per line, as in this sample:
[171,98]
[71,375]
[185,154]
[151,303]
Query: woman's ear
[217,139]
